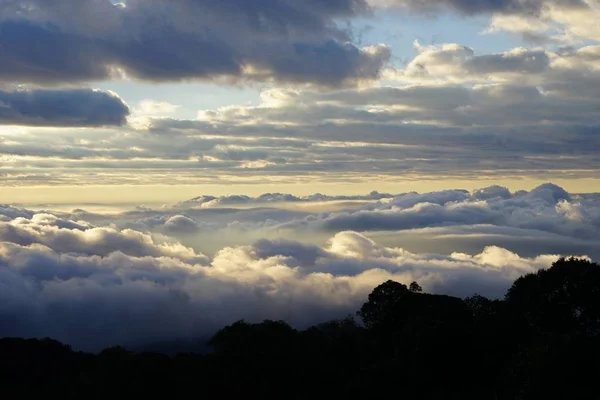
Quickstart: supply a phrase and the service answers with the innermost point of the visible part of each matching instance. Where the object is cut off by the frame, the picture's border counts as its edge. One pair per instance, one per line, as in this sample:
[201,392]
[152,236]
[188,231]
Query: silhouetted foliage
[563,298]
[541,342]
[415,287]
[242,338]
[378,312]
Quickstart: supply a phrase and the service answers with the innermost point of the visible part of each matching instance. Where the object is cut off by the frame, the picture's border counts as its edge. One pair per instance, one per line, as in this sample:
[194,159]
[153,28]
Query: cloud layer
[96,301]
[95,280]
[62,108]
[483,6]
[282,40]
[266,40]
[329,109]
[453,113]
[536,21]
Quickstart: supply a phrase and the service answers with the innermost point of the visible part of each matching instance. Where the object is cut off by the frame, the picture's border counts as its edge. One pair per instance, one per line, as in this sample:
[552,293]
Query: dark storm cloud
[298,41]
[81,107]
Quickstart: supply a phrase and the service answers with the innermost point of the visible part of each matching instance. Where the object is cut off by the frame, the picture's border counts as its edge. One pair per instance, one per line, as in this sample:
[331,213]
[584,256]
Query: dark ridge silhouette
[174,347]
[542,341]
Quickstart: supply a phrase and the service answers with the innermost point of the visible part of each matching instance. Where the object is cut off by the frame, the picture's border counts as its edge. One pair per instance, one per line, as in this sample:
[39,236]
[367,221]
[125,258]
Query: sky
[203,97]
[168,167]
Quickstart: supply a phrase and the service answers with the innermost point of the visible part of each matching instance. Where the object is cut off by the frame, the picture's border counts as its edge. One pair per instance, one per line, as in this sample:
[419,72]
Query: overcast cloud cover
[345,97]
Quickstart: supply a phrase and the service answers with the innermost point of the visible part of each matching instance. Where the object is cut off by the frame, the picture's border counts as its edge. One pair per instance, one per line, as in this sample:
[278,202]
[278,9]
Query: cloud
[547,217]
[455,63]
[281,40]
[270,198]
[558,22]
[181,224]
[452,112]
[62,108]
[560,220]
[492,192]
[67,236]
[8,212]
[153,108]
[483,6]
[463,6]
[547,208]
[472,239]
[287,41]
[92,302]
[445,86]
[94,280]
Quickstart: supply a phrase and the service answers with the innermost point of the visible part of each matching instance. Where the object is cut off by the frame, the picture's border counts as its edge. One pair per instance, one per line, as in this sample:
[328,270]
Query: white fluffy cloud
[81,238]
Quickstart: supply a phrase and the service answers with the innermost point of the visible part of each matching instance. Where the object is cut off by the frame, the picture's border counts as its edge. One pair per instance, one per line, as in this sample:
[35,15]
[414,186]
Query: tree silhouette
[415,288]
[563,298]
[245,339]
[379,309]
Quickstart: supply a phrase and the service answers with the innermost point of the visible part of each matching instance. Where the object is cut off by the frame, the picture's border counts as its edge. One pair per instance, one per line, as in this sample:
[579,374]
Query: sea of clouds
[184,270]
